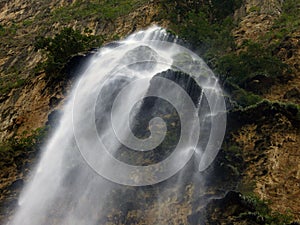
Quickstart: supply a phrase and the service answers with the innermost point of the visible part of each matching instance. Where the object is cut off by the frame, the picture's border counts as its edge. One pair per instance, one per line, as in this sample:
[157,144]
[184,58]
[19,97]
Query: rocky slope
[271,144]
[267,136]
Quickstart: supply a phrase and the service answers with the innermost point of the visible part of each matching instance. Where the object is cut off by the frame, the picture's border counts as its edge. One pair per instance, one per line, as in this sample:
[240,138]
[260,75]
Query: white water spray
[72,183]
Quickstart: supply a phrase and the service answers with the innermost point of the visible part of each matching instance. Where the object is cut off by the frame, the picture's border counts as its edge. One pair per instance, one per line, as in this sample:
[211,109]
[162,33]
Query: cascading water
[142,115]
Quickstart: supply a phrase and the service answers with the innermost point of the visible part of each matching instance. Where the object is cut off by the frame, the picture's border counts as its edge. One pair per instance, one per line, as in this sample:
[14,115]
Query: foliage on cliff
[62,47]
[24,142]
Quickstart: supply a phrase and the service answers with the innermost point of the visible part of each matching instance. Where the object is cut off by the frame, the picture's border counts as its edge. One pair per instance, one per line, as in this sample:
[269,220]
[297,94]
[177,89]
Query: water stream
[142,124]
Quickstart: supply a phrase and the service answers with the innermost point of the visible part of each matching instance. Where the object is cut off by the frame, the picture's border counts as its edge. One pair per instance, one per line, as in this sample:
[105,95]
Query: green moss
[290,110]
[206,25]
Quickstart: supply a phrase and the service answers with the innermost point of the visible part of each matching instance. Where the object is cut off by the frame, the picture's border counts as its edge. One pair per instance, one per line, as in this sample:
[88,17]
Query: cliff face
[270,143]
[26,107]
[257,19]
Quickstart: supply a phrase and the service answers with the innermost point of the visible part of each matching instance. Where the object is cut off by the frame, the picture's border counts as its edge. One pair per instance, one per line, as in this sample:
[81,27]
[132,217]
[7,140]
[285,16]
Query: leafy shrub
[62,47]
[206,25]
[254,60]
[240,96]
[215,10]
[198,30]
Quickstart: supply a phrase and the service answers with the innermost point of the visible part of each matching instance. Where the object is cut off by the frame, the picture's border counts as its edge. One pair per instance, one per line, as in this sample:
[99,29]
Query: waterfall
[143,113]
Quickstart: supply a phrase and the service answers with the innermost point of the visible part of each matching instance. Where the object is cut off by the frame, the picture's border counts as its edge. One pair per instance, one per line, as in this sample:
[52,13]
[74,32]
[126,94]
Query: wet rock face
[150,108]
[141,54]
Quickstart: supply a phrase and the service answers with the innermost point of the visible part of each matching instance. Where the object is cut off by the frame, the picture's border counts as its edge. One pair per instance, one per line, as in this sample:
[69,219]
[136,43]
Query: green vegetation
[62,47]
[102,10]
[24,142]
[285,25]
[262,214]
[291,110]
[234,149]
[254,60]
[265,107]
[289,19]
[10,30]
[244,98]
[7,83]
[207,26]
[241,96]
[28,22]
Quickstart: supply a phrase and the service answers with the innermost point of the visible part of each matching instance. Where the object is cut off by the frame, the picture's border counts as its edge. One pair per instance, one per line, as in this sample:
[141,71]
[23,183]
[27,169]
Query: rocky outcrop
[271,153]
[256,18]
[27,109]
